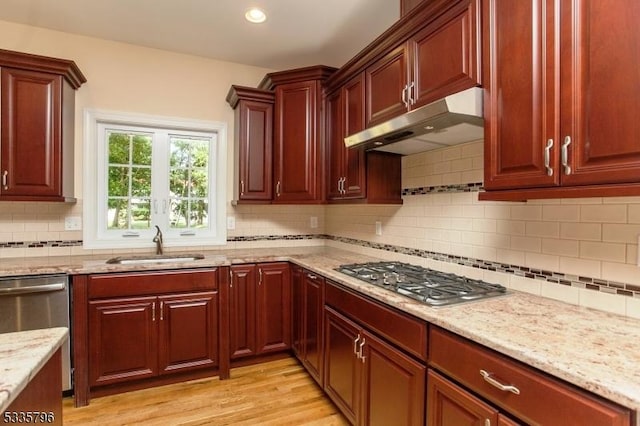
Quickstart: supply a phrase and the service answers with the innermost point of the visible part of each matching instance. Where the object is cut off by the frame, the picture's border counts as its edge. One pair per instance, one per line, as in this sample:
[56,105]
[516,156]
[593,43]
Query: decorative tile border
[37,244]
[276,237]
[597,284]
[464,187]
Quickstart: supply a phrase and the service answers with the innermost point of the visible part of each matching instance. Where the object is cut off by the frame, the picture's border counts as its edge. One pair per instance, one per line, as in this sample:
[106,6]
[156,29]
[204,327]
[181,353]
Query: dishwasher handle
[13,291]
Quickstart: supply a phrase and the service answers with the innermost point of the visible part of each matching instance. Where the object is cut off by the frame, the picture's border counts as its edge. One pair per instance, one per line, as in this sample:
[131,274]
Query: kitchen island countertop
[22,355]
[592,349]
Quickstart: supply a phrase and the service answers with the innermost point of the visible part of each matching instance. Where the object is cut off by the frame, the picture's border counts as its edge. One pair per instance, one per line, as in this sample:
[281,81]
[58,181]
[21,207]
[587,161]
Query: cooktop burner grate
[434,288]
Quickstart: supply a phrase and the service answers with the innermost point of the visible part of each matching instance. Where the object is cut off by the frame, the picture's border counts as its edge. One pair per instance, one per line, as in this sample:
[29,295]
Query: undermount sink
[155,258]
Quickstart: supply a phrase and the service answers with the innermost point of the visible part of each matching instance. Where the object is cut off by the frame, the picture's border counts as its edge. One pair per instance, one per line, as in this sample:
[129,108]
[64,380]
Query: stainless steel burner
[434,288]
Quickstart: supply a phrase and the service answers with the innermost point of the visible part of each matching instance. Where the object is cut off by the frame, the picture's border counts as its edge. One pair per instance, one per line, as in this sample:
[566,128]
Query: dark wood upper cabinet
[37,110]
[353,174]
[298,146]
[387,84]
[566,127]
[441,58]
[253,143]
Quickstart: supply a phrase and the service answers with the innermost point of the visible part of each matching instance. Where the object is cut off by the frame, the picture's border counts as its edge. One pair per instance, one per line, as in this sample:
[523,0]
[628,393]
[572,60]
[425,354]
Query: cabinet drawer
[407,332]
[151,283]
[541,399]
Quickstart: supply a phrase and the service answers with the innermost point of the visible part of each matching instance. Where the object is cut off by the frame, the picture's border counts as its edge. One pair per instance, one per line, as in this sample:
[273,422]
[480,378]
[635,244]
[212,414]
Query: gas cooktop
[431,287]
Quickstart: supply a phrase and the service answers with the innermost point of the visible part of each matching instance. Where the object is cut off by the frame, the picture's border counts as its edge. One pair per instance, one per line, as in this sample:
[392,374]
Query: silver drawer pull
[360,347]
[547,157]
[355,346]
[312,277]
[565,155]
[488,377]
[4,180]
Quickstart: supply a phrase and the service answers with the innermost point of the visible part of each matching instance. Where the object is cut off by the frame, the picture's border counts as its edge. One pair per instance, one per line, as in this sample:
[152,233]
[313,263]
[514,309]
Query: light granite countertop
[591,349]
[22,355]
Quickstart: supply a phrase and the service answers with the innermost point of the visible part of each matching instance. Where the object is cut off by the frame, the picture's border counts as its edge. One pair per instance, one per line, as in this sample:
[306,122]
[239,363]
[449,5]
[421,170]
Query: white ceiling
[297,32]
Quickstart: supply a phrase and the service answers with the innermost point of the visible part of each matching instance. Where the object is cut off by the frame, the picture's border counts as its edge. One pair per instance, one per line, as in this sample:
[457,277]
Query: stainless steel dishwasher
[35,302]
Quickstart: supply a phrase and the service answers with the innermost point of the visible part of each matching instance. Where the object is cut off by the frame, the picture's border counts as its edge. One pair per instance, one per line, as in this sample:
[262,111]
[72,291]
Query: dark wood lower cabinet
[140,329]
[308,305]
[188,332]
[371,381]
[450,405]
[123,340]
[260,309]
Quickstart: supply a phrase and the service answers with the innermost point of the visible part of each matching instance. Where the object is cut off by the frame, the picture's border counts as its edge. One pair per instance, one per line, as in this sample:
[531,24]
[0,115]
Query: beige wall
[123,77]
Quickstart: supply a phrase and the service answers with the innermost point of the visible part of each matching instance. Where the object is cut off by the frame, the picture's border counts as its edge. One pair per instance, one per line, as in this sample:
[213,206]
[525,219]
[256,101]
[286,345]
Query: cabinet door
[297,311]
[355,168]
[242,311]
[342,371]
[393,387]
[313,332]
[188,336]
[600,91]
[123,340]
[335,146]
[386,81]
[450,405]
[296,150]
[255,144]
[30,117]
[273,307]
[521,100]
[446,55]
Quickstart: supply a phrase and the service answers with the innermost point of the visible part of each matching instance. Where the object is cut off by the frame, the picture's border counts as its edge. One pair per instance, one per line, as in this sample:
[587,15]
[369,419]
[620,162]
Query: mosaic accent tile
[464,187]
[34,244]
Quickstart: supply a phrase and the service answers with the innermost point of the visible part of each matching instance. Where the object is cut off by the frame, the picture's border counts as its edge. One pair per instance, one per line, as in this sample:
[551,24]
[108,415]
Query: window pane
[189,182]
[118,181]
[179,182]
[199,184]
[179,214]
[189,213]
[140,214]
[199,214]
[117,214]
[118,148]
[141,182]
[141,150]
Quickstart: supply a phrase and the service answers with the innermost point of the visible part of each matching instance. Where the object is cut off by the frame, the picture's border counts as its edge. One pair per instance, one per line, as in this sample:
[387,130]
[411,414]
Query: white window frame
[95,233]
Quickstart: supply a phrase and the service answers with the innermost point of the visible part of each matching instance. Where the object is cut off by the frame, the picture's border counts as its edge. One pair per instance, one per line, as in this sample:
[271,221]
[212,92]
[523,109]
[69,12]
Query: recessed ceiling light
[255,15]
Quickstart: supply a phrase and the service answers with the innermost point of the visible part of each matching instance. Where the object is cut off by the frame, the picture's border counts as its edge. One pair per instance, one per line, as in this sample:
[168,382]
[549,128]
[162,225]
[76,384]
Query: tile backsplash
[594,238]
[590,244]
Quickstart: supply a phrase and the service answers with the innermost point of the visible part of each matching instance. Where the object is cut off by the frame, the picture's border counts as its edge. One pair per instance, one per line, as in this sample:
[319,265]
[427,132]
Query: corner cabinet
[253,144]
[567,126]
[259,309]
[373,369]
[353,174]
[308,306]
[298,149]
[37,110]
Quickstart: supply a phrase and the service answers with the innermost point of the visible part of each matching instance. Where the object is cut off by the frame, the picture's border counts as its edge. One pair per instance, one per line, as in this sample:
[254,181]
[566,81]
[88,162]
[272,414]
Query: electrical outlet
[314,222]
[231,222]
[72,223]
[378,227]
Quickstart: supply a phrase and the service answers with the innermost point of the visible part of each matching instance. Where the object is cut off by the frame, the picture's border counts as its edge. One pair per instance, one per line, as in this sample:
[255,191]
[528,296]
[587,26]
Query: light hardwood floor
[274,393]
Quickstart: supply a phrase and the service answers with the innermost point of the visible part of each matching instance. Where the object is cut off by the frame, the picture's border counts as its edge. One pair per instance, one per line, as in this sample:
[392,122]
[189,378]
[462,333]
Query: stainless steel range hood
[450,121]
